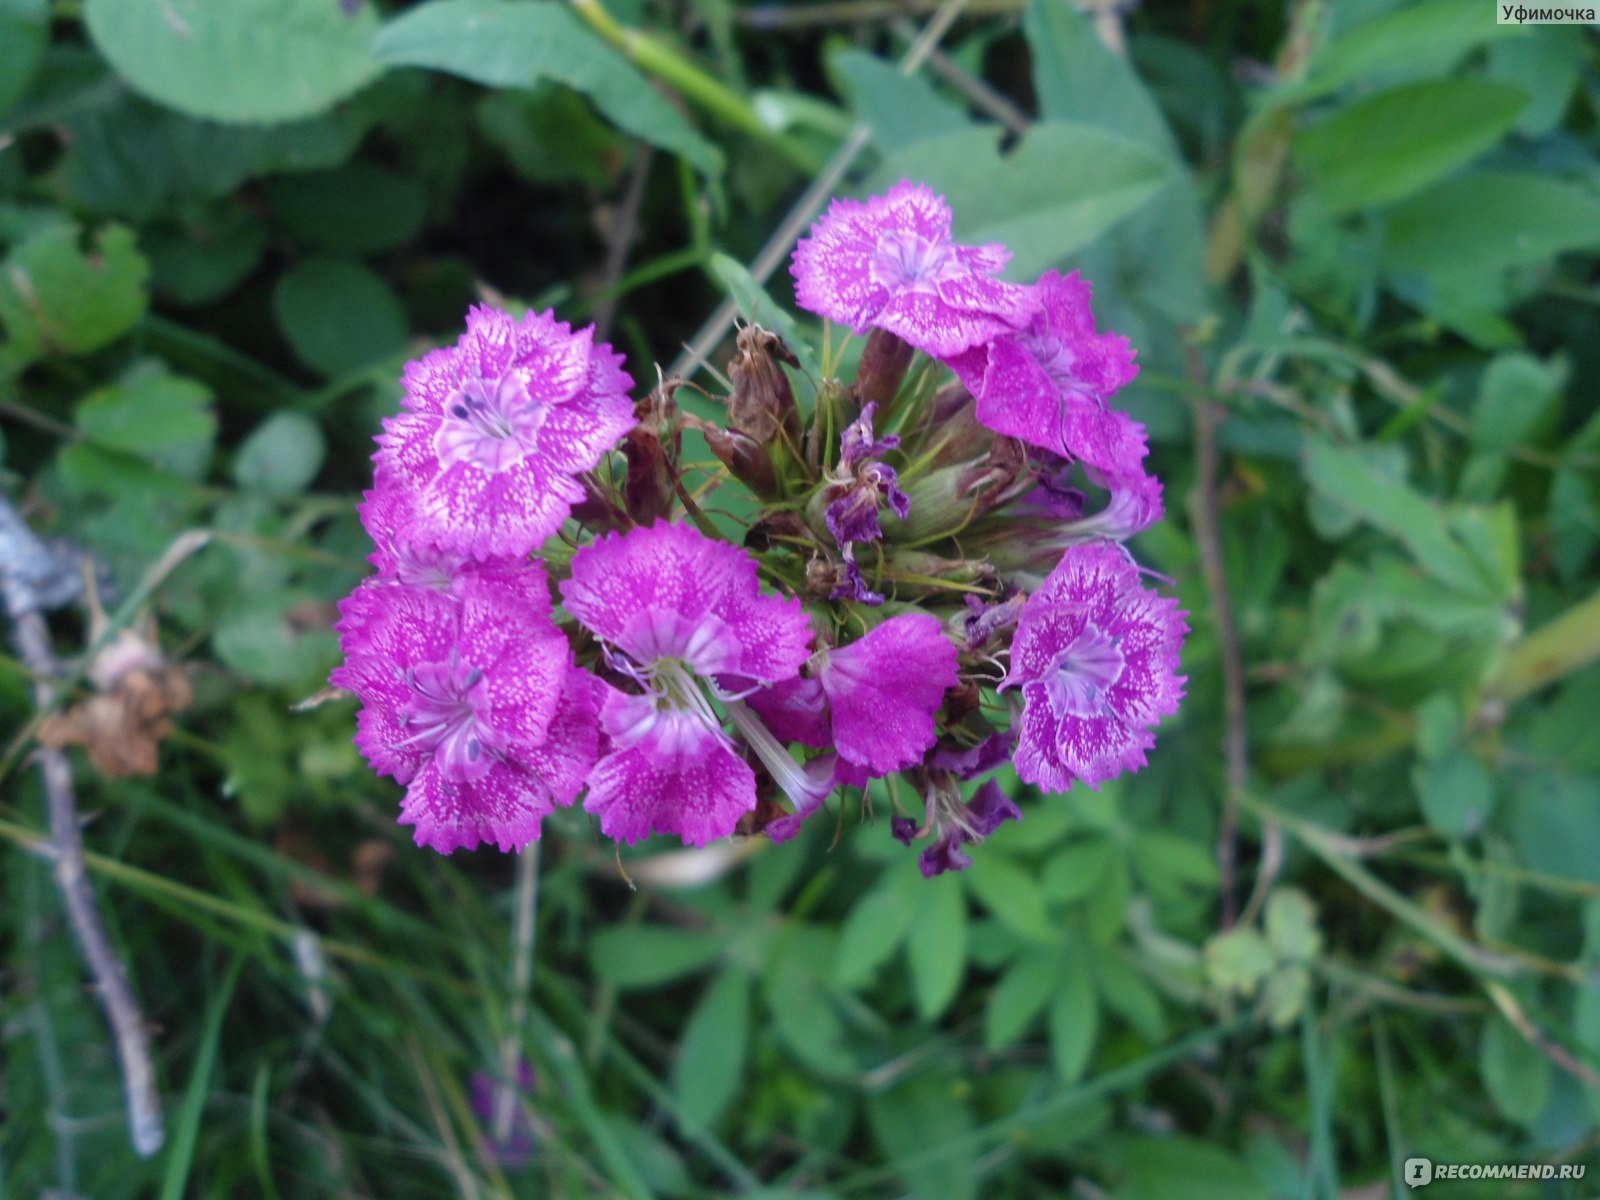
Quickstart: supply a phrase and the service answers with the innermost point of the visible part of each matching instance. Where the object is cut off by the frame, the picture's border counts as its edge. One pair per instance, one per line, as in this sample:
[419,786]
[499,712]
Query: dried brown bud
[649,489]
[762,402]
[742,454]
[884,363]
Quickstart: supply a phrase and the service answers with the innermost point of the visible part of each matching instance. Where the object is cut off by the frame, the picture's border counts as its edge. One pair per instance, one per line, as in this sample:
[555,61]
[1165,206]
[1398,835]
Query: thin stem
[121,1006]
[1204,521]
[1551,652]
[523,930]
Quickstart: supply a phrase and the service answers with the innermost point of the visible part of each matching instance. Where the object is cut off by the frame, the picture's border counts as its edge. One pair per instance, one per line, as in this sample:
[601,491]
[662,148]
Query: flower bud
[883,368]
[744,456]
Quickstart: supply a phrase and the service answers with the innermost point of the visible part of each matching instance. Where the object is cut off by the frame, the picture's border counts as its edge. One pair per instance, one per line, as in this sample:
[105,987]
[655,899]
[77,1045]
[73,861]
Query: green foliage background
[1354,244]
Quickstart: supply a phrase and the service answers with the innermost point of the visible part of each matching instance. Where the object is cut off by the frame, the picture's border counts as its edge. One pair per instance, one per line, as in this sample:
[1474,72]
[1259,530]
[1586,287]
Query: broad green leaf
[245,61]
[1387,146]
[338,315]
[162,418]
[635,956]
[936,948]
[1291,925]
[1077,79]
[1516,1075]
[1061,187]
[359,208]
[62,294]
[805,1011]
[1456,794]
[757,306]
[899,109]
[1546,61]
[24,32]
[1024,989]
[500,43]
[1490,220]
[1283,997]
[1517,397]
[1074,1017]
[1555,823]
[1345,477]
[709,1067]
[1008,891]
[1238,960]
[876,925]
[1418,39]
[551,135]
[281,456]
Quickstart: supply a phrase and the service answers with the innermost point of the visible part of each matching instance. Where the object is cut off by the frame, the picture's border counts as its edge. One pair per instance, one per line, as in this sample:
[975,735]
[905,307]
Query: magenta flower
[1096,657]
[890,263]
[872,699]
[1047,384]
[498,427]
[468,700]
[677,610]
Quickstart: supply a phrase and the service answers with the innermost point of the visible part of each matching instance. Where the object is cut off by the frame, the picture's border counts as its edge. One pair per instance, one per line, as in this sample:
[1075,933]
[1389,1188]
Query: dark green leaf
[338,315]
[500,43]
[937,945]
[282,455]
[24,30]
[899,109]
[359,208]
[1516,1074]
[634,956]
[1020,996]
[1074,1017]
[709,1068]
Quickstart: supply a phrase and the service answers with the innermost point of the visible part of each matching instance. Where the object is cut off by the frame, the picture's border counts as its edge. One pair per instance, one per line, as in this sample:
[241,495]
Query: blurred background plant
[1351,911]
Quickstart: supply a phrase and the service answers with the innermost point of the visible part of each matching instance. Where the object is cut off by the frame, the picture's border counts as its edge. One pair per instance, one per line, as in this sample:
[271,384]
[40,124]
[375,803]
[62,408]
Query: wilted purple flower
[861,484]
[468,700]
[1048,383]
[676,608]
[851,586]
[988,809]
[889,262]
[872,699]
[498,426]
[1096,657]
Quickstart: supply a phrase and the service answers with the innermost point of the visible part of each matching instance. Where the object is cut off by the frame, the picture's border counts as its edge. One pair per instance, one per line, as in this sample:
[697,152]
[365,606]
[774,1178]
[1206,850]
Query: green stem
[696,86]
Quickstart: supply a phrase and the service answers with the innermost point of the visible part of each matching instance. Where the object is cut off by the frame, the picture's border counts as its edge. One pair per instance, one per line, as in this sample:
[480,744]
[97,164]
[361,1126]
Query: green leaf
[338,315]
[638,956]
[359,208]
[500,43]
[1489,220]
[1062,186]
[1387,146]
[1170,864]
[1127,993]
[1456,795]
[24,32]
[1160,1168]
[1074,1017]
[1418,39]
[245,61]
[551,135]
[162,418]
[1345,477]
[1007,890]
[899,109]
[1546,61]
[937,946]
[1020,996]
[1291,925]
[1517,398]
[268,639]
[709,1066]
[876,925]
[281,456]
[59,297]
[1555,823]
[204,259]
[757,306]
[1238,960]
[1075,870]
[1076,78]
[927,1110]
[1516,1075]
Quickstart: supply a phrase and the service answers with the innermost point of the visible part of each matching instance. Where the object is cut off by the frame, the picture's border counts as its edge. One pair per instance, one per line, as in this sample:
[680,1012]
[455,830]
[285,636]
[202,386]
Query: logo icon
[1419,1171]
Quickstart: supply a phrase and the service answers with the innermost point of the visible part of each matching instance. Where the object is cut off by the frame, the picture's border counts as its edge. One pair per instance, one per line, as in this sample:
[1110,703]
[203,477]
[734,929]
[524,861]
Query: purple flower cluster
[924,558]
